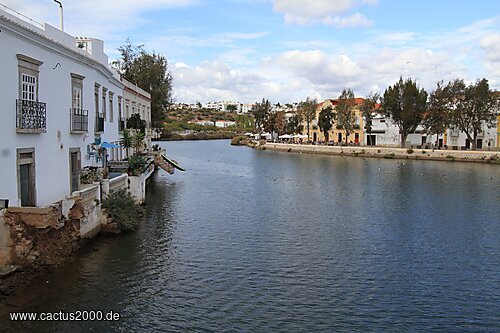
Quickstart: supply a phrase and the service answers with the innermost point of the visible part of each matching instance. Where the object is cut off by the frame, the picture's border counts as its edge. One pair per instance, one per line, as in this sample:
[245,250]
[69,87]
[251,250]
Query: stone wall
[390,152]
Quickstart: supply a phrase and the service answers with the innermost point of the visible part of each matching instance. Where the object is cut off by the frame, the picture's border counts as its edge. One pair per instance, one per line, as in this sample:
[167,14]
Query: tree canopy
[345,114]
[260,112]
[472,107]
[405,103]
[325,121]
[367,109]
[150,72]
[306,112]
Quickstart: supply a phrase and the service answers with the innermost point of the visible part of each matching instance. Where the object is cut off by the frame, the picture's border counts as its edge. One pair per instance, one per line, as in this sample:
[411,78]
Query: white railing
[118,183]
[89,194]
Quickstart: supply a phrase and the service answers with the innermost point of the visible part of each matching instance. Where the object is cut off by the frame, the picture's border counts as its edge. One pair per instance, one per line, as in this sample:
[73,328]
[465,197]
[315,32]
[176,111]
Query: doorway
[26,176]
[75,169]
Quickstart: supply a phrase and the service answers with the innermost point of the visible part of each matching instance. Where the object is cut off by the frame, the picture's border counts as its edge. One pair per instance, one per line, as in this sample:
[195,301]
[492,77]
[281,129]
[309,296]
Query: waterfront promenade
[390,152]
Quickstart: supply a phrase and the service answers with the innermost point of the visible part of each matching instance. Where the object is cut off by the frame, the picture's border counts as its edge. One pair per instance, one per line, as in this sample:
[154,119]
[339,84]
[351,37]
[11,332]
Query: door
[27,187]
[339,137]
[356,138]
[315,137]
[373,141]
[75,171]
[479,143]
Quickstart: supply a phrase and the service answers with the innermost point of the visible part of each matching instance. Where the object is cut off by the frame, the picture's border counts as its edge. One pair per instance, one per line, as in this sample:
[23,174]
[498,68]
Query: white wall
[52,147]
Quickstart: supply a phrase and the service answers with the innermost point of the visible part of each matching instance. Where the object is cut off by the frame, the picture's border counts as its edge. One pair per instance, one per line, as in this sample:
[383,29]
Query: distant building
[224,123]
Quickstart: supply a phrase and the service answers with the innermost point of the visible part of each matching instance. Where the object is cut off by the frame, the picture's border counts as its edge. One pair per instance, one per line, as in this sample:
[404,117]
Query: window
[104,91]
[28,88]
[29,69]
[120,112]
[96,99]
[111,94]
[77,92]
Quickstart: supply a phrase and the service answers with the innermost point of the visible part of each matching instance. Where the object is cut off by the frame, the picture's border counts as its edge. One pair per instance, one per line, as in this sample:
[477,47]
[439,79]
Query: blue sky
[287,50]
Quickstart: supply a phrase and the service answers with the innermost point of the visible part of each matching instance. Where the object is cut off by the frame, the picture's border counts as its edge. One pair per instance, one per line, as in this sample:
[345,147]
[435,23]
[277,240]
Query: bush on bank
[122,209]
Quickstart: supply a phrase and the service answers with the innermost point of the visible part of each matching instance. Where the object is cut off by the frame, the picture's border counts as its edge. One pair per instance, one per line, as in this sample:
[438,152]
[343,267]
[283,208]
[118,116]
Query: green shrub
[123,210]
[137,164]
[409,151]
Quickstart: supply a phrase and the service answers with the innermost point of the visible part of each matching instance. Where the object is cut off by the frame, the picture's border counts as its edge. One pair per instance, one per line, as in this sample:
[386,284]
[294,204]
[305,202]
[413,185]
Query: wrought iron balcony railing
[79,120]
[31,115]
[99,123]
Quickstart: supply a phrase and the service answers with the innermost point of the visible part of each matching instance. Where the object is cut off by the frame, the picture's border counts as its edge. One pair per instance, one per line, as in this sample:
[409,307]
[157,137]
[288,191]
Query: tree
[367,110]
[138,141]
[473,107]
[232,108]
[293,125]
[276,122]
[325,121]
[260,112]
[437,117]
[345,114]
[150,72]
[405,104]
[306,112]
[127,140]
[135,122]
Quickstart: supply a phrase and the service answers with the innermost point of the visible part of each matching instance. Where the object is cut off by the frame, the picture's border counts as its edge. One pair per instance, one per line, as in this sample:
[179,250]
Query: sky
[288,50]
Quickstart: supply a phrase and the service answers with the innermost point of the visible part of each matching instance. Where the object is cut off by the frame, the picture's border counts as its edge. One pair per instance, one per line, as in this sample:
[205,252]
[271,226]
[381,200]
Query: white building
[137,101]
[224,123]
[59,100]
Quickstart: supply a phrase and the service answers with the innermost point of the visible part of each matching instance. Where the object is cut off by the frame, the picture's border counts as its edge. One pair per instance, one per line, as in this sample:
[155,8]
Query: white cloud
[327,12]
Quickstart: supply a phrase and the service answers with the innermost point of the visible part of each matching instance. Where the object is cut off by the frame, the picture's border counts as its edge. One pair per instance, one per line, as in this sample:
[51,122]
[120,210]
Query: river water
[259,241]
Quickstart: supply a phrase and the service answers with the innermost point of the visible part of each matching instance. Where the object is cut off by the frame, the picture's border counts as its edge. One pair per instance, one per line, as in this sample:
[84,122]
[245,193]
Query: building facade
[59,101]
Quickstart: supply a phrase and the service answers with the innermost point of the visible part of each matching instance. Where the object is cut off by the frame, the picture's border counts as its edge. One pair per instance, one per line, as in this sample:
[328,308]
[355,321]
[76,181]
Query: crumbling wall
[40,236]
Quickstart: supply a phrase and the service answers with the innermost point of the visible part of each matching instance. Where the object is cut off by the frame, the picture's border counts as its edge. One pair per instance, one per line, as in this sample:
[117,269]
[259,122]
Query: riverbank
[492,157]
[200,136]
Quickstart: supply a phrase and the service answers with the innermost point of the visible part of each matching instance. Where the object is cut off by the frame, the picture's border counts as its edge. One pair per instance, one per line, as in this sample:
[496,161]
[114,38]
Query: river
[259,241]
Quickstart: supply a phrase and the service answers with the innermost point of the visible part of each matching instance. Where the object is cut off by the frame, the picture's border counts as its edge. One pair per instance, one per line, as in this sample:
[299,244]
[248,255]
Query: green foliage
[137,164]
[409,151]
[127,140]
[123,210]
[405,103]
[138,141]
[367,109]
[306,112]
[325,121]
[232,108]
[150,72]
[260,112]
[345,115]
[91,175]
[472,107]
[135,122]
[293,125]
[275,122]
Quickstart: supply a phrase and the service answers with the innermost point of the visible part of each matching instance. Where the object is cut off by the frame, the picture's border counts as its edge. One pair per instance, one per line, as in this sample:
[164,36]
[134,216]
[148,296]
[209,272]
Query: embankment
[390,153]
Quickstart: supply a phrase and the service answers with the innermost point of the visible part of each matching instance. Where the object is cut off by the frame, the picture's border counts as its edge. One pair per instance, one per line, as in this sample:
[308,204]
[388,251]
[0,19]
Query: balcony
[79,120]
[99,123]
[31,117]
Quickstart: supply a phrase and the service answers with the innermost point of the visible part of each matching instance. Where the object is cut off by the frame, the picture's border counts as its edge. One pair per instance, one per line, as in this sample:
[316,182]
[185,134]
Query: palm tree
[138,141]
[127,140]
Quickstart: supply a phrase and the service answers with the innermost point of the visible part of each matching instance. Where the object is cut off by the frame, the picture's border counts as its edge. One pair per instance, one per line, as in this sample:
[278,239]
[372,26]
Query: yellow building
[336,135]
